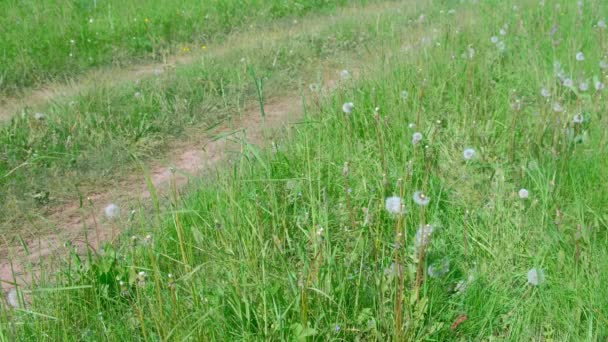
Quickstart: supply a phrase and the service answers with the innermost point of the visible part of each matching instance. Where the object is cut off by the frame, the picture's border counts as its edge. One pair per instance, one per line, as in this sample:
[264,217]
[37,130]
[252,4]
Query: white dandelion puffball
[568,83]
[501,46]
[348,107]
[494,39]
[468,154]
[583,86]
[545,92]
[112,211]
[394,205]
[13,298]
[423,235]
[439,269]
[523,193]
[557,107]
[503,32]
[39,116]
[601,24]
[578,119]
[536,277]
[599,85]
[603,64]
[344,74]
[416,138]
[404,94]
[580,56]
[421,199]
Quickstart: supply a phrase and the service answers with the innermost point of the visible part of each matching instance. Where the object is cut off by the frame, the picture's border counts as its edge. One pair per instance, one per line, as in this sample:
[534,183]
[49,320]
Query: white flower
[405,94]
[536,277]
[112,211]
[344,74]
[416,138]
[39,116]
[421,199]
[580,56]
[394,205]
[348,107]
[545,92]
[601,24]
[494,39]
[469,153]
[568,83]
[503,32]
[578,119]
[557,107]
[523,193]
[423,235]
[583,86]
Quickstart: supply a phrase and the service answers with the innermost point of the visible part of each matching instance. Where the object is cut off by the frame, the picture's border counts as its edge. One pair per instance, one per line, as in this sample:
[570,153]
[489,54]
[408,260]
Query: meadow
[448,185]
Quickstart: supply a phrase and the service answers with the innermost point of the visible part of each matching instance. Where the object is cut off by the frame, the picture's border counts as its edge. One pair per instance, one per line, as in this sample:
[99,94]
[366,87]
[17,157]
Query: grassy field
[453,191]
[58,39]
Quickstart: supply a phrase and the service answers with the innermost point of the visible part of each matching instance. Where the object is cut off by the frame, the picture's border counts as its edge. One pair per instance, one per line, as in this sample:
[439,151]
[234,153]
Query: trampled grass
[370,221]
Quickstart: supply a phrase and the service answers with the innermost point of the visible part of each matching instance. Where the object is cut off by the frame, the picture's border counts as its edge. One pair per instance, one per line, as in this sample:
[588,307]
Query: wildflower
[568,83]
[337,329]
[344,74]
[439,269]
[124,290]
[394,205]
[421,199]
[545,92]
[416,138]
[523,193]
[536,277]
[580,56]
[503,32]
[40,116]
[578,119]
[137,94]
[583,86]
[468,154]
[494,39]
[348,107]
[423,235]
[404,94]
[601,24]
[557,107]
[603,64]
[463,285]
[141,279]
[112,211]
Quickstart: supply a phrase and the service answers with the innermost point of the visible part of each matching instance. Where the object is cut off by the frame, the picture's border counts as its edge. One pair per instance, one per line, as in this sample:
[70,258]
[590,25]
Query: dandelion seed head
[523,193]
[468,153]
[536,276]
[568,83]
[603,64]
[394,205]
[544,92]
[112,211]
[344,74]
[494,39]
[583,86]
[39,116]
[580,56]
[557,107]
[404,94]
[439,269]
[423,235]
[416,138]
[421,199]
[601,24]
[599,85]
[578,119]
[348,107]
[501,46]
[503,32]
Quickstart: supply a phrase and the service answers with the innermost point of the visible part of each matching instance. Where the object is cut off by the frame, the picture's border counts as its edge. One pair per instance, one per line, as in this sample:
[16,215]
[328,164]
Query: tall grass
[291,243]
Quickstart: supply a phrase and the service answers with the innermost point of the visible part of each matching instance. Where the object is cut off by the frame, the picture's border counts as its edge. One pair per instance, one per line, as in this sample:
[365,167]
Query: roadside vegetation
[453,190]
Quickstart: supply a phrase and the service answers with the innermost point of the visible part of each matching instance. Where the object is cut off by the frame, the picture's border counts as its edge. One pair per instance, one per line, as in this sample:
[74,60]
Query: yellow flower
[204,47]
[186,49]
[146,20]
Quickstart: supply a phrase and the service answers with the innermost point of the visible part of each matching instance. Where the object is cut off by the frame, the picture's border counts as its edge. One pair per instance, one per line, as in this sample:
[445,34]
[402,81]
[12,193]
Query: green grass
[58,39]
[285,244]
